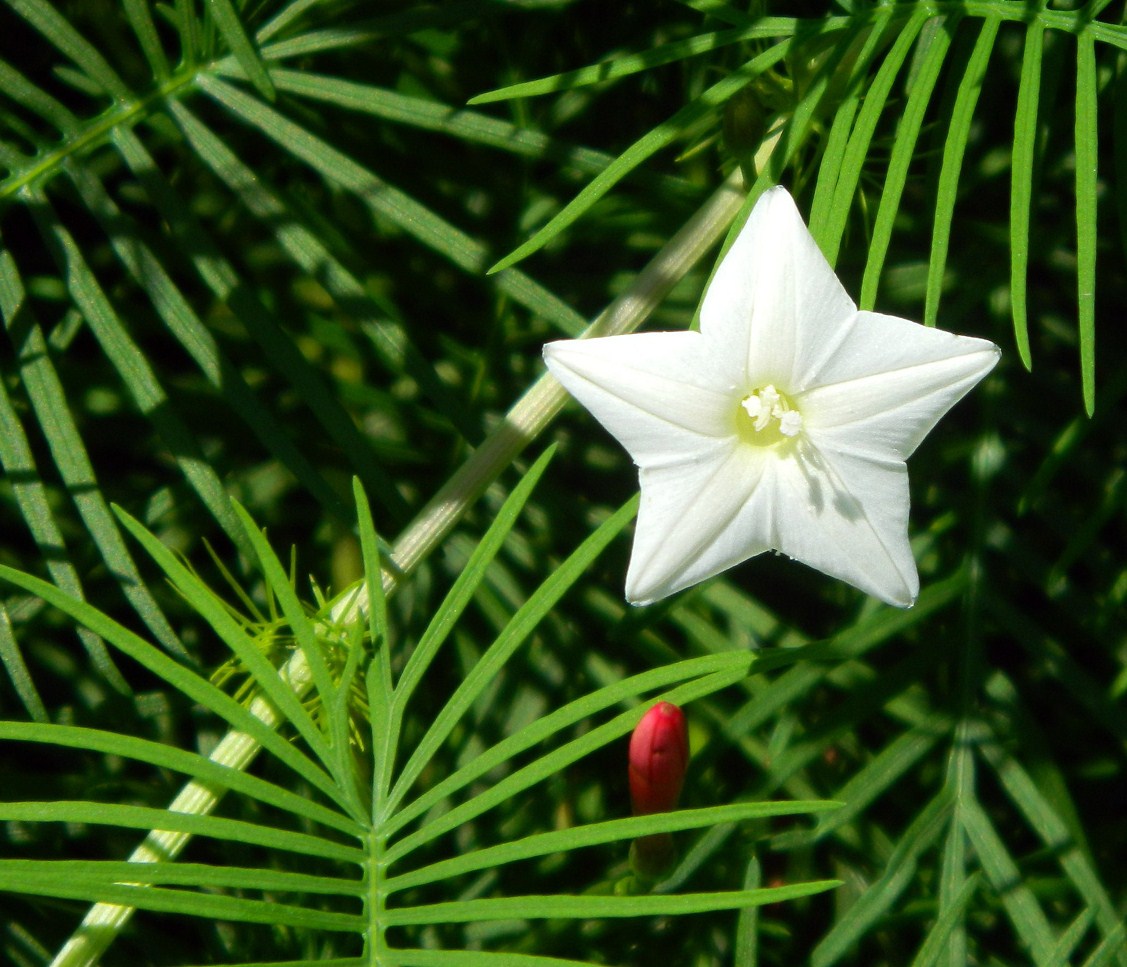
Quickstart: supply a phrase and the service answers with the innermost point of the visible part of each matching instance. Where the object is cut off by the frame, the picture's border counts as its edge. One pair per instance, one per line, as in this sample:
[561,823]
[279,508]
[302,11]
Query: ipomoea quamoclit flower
[783,424]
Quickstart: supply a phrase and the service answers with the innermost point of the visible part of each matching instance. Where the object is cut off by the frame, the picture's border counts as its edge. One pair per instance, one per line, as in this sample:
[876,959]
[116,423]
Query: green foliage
[263,249]
[328,758]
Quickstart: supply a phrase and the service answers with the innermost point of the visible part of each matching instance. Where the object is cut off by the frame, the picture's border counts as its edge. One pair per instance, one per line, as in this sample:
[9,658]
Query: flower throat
[768,417]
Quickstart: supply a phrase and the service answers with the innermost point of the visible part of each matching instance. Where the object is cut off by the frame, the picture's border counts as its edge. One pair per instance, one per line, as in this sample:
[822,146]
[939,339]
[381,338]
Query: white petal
[890,383]
[845,516]
[658,393]
[774,302]
[848,517]
[685,531]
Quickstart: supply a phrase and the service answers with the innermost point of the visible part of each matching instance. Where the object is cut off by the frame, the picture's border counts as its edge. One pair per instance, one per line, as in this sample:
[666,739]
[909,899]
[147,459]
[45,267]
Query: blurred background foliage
[246,255]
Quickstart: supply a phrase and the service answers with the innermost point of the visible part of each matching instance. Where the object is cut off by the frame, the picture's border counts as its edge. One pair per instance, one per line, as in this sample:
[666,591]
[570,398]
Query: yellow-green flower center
[767,417]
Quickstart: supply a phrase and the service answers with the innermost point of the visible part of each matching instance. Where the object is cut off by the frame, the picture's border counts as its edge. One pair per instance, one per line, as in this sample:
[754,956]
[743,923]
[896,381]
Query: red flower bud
[659,756]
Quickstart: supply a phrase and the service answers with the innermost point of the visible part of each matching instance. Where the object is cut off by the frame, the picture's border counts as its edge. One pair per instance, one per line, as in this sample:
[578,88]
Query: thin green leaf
[340,715]
[28,95]
[461,592]
[480,958]
[132,366]
[953,874]
[903,152]
[872,630]
[879,898]
[1086,133]
[284,17]
[140,18]
[211,609]
[618,67]
[144,817]
[178,874]
[46,19]
[746,946]
[1109,948]
[315,962]
[1087,536]
[226,18]
[646,146]
[18,673]
[1054,833]
[954,147]
[829,170]
[725,12]
[182,679]
[1061,954]
[833,156]
[283,591]
[409,20]
[1081,686]
[13,160]
[45,392]
[1077,22]
[379,625]
[869,783]
[415,219]
[599,907]
[1058,456]
[595,834]
[192,764]
[1021,189]
[938,937]
[876,96]
[522,624]
[1096,7]
[459,123]
[189,903]
[188,25]
[182,321]
[31,496]
[1021,905]
[385,735]
[219,275]
[310,252]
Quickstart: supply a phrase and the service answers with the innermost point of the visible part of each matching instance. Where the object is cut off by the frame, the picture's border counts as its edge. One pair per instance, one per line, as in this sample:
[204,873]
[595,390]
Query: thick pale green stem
[522,424]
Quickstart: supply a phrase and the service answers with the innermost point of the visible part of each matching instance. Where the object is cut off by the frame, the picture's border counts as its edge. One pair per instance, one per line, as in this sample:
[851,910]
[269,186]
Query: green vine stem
[528,417]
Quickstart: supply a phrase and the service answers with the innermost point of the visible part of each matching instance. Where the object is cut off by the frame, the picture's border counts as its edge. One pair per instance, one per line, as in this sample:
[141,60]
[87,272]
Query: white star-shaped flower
[782,425]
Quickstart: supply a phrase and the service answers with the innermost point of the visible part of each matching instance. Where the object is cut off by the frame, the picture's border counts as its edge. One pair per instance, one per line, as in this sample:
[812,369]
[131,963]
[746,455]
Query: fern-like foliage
[356,852]
[98,160]
[244,249]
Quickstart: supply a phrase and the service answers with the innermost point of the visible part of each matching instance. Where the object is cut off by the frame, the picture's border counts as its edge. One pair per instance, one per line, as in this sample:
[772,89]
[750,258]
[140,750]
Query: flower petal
[885,388]
[847,516]
[659,393]
[685,531]
[774,302]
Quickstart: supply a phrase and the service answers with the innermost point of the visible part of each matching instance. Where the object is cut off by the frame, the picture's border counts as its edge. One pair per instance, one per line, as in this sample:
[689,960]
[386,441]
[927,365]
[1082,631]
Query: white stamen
[766,405]
[753,406]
